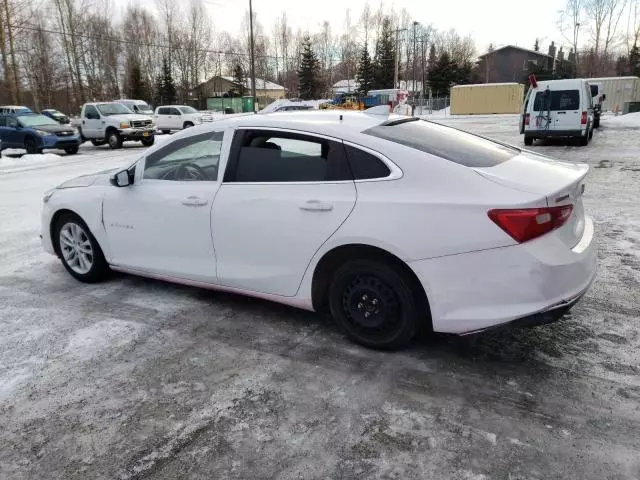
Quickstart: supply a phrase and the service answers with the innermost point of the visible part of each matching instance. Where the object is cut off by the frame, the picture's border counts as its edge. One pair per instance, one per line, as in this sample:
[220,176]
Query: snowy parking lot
[136,378]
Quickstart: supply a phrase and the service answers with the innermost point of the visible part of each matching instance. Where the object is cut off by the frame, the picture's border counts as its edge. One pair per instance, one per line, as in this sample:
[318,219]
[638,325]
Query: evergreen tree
[165,87]
[634,61]
[622,66]
[309,73]
[238,80]
[137,87]
[536,46]
[442,74]
[384,61]
[364,75]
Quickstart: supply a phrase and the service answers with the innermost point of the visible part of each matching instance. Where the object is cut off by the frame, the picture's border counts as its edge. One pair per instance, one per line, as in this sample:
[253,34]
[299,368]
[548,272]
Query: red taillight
[526,119]
[528,223]
[583,119]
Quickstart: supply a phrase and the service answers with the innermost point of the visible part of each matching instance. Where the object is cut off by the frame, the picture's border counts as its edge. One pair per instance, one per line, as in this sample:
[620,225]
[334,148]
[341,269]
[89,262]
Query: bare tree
[569,22]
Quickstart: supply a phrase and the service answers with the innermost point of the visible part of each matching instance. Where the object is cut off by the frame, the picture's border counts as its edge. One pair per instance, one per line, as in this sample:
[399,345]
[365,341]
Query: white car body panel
[431,213]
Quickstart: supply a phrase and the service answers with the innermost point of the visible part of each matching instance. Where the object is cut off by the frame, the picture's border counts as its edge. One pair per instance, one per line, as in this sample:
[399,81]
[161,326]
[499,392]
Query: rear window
[556,100]
[445,142]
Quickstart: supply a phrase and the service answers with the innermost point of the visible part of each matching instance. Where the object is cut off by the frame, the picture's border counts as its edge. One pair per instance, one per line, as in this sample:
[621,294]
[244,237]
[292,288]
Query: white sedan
[391,223]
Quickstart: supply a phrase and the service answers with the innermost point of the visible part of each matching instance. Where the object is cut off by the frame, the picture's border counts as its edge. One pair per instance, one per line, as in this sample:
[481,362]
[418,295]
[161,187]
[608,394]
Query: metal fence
[426,106]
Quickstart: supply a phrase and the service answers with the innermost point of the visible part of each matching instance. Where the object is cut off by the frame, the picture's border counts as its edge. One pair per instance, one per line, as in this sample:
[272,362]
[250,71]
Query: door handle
[194,201]
[316,206]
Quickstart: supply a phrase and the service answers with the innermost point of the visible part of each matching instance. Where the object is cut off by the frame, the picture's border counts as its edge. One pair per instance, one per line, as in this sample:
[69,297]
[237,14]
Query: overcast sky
[500,22]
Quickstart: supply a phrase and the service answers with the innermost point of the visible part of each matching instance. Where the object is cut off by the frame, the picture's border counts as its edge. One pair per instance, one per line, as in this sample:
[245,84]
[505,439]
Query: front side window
[266,156]
[194,158]
[174,111]
[91,112]
[12,122]
[107,109]
[188,110]
[556,100]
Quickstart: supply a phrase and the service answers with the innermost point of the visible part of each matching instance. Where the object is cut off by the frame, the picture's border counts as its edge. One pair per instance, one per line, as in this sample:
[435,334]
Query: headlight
[124,125]
[48,195]
[42,133]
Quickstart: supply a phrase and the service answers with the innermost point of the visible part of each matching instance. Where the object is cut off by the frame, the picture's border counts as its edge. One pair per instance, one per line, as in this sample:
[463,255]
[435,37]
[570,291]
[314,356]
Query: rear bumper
[524,283]
[555,133]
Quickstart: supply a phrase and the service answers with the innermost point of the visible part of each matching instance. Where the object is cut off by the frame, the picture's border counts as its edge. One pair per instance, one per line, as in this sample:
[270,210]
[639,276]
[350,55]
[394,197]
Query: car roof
[334,123]
[560,84]
[14,106]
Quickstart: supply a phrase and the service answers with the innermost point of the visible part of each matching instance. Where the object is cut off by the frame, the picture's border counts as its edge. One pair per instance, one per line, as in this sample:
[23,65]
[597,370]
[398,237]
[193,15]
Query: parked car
[558,108]
[597,92]
[426,225]
[178,117]
[56,115]
[35,132]
[113,123]
[137,106]
[14,109]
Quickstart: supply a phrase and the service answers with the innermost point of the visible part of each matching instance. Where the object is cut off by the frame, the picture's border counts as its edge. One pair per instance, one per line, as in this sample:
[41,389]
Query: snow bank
[285,102]
[628,120]
[26,160]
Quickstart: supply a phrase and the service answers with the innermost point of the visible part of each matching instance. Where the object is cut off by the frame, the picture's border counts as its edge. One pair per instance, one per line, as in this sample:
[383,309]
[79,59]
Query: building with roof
[512,64]
[221,86]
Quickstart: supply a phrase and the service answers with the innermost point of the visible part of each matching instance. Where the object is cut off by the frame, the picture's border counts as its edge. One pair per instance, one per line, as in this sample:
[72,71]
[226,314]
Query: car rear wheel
[374,303]
[78,249]
[114,140]
[71,150]
[187,125]
[31,146]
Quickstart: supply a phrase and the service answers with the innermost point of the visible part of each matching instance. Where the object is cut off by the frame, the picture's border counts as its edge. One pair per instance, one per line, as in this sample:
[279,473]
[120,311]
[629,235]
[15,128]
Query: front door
[284,195]
[161,223]
[175,118]
[92,124]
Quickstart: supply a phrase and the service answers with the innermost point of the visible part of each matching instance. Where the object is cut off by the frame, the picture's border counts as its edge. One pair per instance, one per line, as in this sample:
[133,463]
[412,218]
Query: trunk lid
[558,183]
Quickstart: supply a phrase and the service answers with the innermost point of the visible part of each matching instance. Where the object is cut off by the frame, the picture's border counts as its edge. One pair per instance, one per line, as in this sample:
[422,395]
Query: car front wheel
[114,140]
[374,303]
[78,249]
[71,150]
[31,146]
[147,142]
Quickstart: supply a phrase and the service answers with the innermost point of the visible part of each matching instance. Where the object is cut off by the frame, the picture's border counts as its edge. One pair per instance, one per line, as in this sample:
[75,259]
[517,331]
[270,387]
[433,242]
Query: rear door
[175,118]
[565,109]
[284,194]
[162,119]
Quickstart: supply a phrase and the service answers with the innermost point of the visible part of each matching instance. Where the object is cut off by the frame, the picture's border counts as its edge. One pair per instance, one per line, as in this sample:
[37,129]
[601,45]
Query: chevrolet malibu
[389,223]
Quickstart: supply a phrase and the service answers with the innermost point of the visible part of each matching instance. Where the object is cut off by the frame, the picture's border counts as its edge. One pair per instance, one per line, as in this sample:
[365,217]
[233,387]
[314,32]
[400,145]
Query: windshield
[112,109]
[35,120]
[188,110]
[445,142]
[142,106]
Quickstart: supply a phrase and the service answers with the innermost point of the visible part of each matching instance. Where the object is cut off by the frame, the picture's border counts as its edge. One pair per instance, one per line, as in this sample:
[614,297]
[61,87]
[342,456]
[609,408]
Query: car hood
[54,128]
[98,178]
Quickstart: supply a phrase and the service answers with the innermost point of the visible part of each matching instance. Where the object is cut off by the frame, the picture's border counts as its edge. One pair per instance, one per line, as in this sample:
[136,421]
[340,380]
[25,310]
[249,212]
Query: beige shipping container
[618,90]
[487,98]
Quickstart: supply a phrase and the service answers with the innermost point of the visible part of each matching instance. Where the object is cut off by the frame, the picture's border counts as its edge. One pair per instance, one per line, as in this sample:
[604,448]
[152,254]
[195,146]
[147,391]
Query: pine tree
[137,88]
[634,61]
[442,74]
[309,73]
[536,46]
[384,61]
[622,66]
[165,88]
[364,74]
[238,80]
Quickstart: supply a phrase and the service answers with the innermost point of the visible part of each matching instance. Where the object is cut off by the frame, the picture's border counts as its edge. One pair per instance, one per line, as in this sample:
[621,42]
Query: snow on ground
[629,120]
[285,102]
[9,159]
[134,378]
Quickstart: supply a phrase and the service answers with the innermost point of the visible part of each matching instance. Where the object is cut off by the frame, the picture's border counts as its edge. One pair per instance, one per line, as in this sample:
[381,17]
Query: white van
[558,108]
[137,106]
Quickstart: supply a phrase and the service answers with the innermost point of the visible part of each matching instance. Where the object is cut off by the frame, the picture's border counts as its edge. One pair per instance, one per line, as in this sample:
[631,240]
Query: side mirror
[121,179]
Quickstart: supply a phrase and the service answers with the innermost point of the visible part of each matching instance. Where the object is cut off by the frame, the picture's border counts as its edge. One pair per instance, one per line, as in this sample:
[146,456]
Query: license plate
[145,134]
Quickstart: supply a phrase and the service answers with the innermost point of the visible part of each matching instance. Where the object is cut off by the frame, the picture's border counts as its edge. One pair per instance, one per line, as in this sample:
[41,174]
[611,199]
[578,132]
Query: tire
[591,135]
[69,235]
[114,140]
[596,122]
[374,304]
[166,132]
[187,125]
[71,150]
[31,146]
[147,142]
[97,143]
[528,141]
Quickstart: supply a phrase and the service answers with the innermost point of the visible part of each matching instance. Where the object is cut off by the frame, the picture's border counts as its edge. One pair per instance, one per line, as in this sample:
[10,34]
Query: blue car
[35,132]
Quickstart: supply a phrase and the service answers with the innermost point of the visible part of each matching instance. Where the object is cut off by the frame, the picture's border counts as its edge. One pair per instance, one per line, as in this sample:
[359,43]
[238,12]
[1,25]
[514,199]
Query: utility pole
[395,71]
[423,61]
[253,58]
[415,24]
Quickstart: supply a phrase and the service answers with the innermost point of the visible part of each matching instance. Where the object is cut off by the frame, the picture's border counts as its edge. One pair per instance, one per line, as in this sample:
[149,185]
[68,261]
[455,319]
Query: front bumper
[137,133]
[54,141]
[474,291]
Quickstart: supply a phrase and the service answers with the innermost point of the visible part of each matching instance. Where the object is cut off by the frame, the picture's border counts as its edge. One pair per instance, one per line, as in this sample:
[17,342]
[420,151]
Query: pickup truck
[113,123]
[178,117]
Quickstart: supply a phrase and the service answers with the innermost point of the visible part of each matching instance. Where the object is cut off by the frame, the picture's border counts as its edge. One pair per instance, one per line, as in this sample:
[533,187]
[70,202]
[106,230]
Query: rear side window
[268,156]
[446,142]
[555,100]
[365,166]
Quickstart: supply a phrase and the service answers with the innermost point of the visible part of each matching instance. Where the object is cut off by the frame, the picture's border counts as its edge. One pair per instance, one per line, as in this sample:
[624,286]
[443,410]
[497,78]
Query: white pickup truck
[178,117]
[113,123]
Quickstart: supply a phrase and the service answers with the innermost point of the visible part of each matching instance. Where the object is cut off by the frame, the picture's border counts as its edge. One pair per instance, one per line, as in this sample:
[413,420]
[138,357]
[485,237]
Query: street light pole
[253,58]
[415,24]
[395,71]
